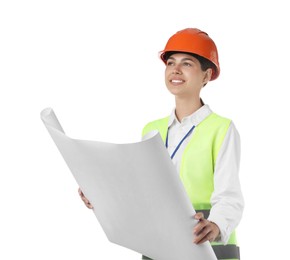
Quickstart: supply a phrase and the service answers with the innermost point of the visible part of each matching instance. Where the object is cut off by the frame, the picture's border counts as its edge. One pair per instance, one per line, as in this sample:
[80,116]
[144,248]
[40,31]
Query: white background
[96,64]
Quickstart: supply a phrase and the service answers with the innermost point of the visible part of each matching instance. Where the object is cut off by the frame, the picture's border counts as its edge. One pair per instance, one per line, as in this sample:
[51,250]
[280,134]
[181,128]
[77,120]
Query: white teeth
[176,81]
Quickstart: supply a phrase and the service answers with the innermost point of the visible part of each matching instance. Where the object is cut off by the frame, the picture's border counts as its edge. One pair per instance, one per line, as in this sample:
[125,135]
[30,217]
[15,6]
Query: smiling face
[184,76]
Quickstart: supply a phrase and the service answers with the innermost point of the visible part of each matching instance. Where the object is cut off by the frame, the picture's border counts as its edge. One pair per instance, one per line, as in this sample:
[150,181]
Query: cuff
[223,226]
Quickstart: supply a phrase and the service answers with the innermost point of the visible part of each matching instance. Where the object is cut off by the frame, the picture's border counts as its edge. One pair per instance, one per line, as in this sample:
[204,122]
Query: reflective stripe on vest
[222,252]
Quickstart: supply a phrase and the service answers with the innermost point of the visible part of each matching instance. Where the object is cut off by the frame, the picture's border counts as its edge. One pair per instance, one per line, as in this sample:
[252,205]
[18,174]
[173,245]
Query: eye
[169,63]
[187,64]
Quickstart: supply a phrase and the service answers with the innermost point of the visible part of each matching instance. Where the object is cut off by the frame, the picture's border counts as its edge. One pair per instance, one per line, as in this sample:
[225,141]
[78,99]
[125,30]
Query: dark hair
[204,63]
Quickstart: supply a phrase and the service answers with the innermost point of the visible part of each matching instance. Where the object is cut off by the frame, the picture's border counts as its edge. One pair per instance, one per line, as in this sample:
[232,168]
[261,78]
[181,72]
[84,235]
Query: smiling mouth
[176,81]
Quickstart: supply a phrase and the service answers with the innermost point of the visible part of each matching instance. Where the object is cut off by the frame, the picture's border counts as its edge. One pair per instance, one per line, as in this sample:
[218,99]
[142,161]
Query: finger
[202,229]
[85,200]
[199,227]
[89,205]
[202,239]
[203,236]
[199,216]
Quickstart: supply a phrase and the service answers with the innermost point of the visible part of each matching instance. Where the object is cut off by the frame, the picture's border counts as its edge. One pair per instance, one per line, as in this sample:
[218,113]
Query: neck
[185,107]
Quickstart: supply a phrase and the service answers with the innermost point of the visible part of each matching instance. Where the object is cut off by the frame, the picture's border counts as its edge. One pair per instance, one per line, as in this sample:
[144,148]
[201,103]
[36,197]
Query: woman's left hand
[204,230]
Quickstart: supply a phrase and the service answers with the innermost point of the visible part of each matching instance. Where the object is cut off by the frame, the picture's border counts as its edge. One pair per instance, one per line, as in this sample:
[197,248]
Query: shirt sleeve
[227,200]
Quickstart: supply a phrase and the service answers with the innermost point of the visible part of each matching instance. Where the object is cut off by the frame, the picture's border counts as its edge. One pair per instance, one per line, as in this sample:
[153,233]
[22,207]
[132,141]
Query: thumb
[199,216]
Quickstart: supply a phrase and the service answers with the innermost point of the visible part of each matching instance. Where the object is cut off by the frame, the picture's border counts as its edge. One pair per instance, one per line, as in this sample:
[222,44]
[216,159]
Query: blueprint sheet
[137,195]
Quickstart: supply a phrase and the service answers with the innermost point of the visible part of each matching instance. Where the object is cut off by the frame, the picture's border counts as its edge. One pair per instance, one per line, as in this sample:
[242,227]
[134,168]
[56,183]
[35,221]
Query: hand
[84,199]
[204,230]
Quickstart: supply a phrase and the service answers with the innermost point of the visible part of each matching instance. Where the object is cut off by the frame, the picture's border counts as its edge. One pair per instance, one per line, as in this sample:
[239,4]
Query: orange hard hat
[194,41]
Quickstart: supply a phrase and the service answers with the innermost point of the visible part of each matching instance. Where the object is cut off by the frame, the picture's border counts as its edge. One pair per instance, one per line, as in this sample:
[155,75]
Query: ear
[207,75]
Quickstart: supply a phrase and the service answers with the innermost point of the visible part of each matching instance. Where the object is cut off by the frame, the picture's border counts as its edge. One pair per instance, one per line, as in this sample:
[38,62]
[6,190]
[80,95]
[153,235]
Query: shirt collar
[194,119]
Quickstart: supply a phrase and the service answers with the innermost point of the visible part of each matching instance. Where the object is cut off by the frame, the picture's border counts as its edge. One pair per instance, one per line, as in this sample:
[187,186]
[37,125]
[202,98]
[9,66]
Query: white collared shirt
[227,199]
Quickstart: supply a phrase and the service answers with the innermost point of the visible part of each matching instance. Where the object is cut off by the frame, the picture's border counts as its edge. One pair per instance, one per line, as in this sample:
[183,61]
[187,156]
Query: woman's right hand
[84,199]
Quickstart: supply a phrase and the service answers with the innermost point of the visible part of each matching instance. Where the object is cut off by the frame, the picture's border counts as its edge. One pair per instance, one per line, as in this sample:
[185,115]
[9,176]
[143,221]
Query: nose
[176,70]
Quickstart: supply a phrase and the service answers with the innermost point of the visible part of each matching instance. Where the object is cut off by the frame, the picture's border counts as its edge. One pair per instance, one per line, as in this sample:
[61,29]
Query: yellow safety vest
[197,168]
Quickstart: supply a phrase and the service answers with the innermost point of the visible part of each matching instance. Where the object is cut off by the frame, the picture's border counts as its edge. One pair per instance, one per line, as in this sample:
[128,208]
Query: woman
[204,147]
